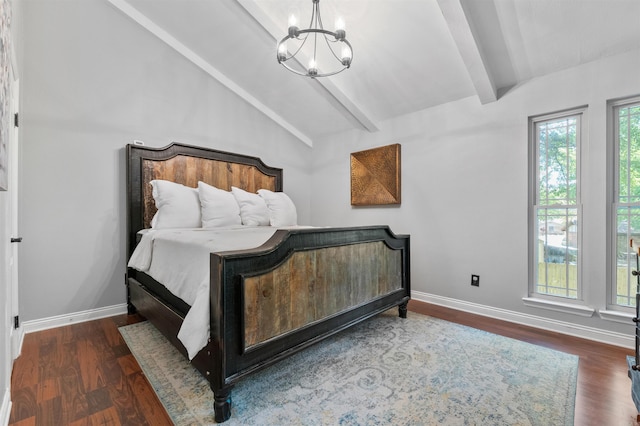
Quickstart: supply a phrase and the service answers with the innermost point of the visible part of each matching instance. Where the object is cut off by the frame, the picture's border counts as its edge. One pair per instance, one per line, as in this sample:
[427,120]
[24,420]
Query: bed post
[406,271]
[217,345]
[402,309]
[222,404]
[130,308]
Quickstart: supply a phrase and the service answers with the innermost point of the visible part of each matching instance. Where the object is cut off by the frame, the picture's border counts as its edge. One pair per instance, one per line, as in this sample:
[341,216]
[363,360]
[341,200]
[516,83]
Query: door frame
[17,334]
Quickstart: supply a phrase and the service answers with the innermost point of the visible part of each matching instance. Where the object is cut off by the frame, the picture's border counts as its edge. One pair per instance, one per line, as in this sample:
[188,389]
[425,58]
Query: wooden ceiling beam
[470,48]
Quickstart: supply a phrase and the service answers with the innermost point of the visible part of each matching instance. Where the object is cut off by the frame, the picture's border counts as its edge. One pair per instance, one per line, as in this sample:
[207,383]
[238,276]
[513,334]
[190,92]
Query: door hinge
[15,120]
[16,322]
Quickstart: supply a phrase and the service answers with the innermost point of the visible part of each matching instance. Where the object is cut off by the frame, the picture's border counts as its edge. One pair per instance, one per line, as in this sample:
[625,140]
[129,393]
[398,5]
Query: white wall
[464,187]
[94,81]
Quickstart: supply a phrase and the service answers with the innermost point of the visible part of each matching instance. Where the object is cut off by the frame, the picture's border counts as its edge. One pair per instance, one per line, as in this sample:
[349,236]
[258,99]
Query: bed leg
[402,309]
[130,308]
[222,404]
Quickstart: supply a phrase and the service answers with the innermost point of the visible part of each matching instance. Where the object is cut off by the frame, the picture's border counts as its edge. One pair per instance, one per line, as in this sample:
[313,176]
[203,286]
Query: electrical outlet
[475,280]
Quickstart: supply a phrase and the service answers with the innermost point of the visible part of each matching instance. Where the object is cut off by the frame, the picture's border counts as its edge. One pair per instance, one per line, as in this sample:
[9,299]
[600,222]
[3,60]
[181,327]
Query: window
[626,200]
[555,204]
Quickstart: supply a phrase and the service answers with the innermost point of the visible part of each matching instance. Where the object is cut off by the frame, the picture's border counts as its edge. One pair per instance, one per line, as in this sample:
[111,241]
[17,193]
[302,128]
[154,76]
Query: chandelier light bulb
[340,29]
[282,52]
[294,31]
[313,68]
[346,56]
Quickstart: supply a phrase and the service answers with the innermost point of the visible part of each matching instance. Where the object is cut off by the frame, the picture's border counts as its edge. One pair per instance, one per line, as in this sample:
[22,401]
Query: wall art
[375,176]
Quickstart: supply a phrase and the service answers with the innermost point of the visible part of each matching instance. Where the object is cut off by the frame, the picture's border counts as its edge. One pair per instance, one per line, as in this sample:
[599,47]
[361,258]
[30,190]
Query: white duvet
[179,259]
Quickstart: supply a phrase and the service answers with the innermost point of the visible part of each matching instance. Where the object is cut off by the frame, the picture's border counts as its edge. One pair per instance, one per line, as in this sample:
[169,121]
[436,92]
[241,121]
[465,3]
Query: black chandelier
[296,42]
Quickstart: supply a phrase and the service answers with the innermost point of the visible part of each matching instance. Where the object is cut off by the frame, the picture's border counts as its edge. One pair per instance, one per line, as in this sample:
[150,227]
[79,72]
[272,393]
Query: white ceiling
[408,54]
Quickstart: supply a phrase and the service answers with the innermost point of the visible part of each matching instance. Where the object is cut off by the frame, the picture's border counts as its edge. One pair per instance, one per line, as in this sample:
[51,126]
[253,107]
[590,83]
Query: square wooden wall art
[375,176]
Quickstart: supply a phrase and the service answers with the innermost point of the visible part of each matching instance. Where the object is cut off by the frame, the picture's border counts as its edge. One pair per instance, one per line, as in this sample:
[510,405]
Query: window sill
[568,308]
[617,316]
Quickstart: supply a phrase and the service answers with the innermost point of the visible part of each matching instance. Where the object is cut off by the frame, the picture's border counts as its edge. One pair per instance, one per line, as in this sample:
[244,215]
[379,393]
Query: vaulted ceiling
[408,54]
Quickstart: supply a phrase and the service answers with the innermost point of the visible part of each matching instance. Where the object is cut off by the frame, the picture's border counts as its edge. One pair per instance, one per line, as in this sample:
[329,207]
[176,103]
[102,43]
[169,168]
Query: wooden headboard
[187,165]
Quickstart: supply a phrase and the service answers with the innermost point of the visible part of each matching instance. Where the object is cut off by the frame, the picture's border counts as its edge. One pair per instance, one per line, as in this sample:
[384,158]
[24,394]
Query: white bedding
[179,259]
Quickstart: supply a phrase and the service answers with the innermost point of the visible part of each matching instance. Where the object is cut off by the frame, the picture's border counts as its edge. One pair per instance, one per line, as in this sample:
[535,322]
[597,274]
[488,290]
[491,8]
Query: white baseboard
[16,337]
[73,318]
[5,408]
[590,333]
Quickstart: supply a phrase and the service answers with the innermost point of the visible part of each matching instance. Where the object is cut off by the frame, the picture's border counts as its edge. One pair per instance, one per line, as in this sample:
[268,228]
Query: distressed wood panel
[312,285]
[188,170]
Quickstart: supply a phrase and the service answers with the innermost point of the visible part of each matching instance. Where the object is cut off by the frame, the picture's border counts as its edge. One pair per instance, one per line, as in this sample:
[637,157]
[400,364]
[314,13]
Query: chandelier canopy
[310,43]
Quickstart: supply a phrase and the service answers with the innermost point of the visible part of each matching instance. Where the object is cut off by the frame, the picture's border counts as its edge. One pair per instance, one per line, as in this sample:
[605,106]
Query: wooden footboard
[298,288]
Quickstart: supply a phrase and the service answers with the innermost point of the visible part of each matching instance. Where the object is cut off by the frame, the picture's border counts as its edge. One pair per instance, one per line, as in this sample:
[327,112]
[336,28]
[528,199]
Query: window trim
[580,113]
[612,175]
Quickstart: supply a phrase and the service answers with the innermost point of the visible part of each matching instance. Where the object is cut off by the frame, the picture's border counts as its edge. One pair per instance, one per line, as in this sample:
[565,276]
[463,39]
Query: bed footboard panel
[313,285]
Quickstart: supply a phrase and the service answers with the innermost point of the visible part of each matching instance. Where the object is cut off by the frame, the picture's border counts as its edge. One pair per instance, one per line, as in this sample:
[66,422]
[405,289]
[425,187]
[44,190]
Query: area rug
[384,371]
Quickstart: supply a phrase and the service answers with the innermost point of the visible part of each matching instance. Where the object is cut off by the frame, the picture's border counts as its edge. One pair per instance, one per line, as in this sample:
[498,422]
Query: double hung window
[555,197]
[625,125]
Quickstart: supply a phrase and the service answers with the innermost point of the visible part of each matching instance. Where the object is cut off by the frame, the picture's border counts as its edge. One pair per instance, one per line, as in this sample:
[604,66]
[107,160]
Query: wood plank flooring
[84,374]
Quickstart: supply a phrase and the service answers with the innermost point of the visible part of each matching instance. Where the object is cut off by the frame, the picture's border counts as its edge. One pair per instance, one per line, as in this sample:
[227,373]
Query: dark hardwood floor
[84,374]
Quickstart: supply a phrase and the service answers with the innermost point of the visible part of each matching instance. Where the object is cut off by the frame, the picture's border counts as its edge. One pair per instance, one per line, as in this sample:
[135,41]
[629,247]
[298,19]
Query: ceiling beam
[197,60]
[470,48]
[332,93]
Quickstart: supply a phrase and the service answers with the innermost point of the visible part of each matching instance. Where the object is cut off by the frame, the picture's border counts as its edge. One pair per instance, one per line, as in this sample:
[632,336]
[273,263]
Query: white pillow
[282,211]
[219,207]
[253,209]
[178,205]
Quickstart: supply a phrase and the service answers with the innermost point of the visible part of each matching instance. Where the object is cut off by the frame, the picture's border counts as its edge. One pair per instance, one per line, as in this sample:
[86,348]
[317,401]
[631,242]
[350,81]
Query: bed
[268,302]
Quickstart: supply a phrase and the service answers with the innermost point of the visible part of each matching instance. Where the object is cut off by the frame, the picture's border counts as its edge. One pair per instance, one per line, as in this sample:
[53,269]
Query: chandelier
[311,43]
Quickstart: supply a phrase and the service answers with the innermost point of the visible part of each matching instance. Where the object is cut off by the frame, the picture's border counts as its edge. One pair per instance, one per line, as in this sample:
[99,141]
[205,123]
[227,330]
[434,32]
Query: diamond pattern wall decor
[375,176]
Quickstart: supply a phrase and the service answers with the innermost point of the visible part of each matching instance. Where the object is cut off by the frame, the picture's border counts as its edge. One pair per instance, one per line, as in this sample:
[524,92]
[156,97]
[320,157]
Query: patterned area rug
[418,371]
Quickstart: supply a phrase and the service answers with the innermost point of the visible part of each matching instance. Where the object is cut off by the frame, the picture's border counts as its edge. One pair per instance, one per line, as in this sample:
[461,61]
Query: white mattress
[179,259]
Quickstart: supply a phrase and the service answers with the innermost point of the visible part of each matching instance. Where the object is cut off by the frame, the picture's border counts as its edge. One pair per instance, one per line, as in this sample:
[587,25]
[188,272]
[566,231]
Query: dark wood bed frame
[266,303]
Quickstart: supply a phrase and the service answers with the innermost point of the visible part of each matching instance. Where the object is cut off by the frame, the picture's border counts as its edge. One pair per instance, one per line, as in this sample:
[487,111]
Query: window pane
[557,253]
[634,167]
[623,158]
[627,227]
[557,162]
[572,164]
[543,176]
